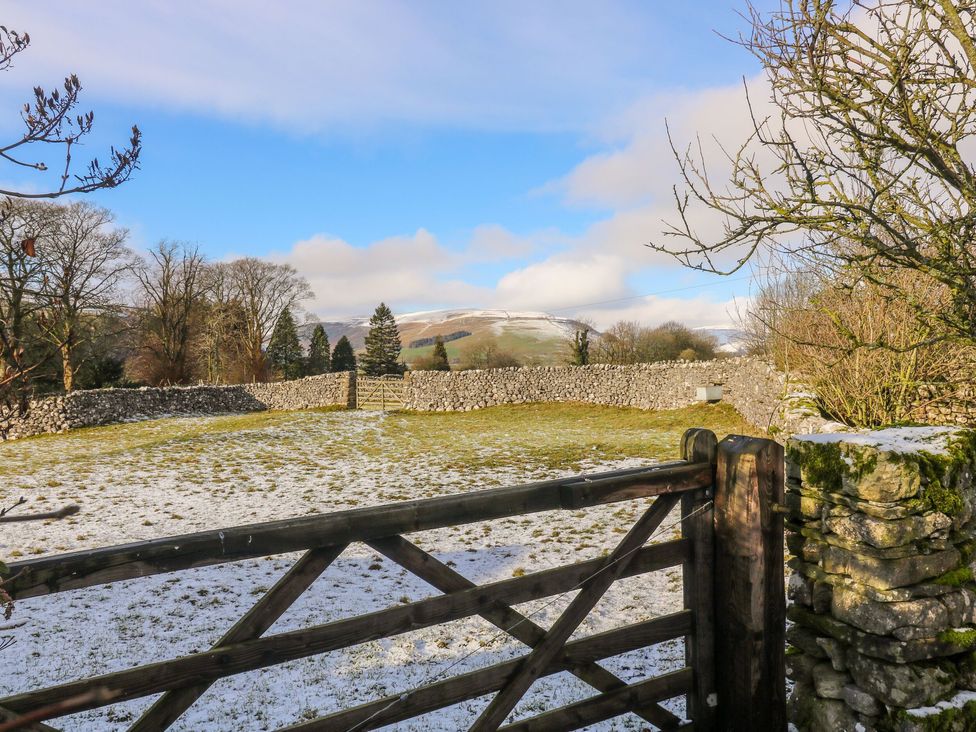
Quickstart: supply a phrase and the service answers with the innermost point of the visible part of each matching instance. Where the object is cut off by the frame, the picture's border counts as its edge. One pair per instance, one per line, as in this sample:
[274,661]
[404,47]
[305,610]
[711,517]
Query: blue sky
[429,154]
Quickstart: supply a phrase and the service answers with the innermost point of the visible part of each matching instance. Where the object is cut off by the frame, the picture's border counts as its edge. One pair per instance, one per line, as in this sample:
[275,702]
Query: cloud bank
[312,67]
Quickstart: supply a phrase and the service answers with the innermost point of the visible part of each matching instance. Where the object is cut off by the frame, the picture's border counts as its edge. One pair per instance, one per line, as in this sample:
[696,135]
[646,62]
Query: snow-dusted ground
[179,476]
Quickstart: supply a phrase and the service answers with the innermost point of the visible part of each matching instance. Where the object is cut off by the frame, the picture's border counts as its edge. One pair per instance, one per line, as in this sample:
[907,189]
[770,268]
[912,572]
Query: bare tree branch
[49,120]
[862,166]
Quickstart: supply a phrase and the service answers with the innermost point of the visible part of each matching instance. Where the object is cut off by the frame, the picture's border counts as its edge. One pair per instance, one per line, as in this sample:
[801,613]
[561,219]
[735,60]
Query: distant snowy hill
[532,337]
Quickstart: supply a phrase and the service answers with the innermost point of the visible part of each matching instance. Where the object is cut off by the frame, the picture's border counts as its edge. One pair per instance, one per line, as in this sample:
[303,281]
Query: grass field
[172,476]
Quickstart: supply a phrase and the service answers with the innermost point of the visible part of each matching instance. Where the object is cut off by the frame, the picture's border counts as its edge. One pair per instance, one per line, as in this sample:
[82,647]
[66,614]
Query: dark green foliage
[382,354]
[439,360]
[343,358]
[284,351]
[319,359]
[101,372]
[581,348]
[424,342]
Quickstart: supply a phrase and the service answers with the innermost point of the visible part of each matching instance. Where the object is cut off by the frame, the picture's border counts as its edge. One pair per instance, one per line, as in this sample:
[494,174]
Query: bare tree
[811,327]
[863,166]
[21,276]
[217,345]
[629,342]
[262,290]
[84,259]
[49,121]
[171,290]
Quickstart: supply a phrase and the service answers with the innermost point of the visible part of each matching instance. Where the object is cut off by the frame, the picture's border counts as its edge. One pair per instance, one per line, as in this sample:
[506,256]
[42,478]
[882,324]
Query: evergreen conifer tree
[343,358]
[439,360]
[318,353]
[581,348]
[284,350]
[382,355]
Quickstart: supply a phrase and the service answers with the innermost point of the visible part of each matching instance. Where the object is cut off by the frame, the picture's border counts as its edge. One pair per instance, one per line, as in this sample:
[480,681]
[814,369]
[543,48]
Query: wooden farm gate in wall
[730,551]
[381,392]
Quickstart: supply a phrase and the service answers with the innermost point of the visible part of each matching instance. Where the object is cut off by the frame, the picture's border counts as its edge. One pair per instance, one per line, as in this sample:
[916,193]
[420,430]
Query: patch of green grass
[249,452]
[562,435]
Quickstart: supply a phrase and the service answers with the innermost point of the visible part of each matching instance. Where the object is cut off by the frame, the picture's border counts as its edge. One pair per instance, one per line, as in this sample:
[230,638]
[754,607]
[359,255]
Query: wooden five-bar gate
[732,623]
[381,392]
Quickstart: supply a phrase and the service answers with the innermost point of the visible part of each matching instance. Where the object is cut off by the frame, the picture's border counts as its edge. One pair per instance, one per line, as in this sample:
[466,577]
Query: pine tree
[581,348]
[284,350]
[318,353]
[439,360]
[382,355]
[343,358]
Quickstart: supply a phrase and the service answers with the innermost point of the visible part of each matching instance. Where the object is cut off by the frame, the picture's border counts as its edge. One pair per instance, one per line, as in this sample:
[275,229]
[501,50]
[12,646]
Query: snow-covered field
[176,476]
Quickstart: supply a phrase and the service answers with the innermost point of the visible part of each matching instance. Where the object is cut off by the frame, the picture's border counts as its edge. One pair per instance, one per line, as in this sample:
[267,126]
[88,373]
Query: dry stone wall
[108,406]
[947,404]
[881,526]
[751,386]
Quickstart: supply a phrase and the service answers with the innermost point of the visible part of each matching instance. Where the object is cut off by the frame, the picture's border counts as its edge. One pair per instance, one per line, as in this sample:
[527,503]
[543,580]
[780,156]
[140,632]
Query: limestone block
[889,573]
[806,640]
[836,652]
[799,667]
[861,702]
[882,618]
[828,682]
[823,715]
[800,590]
[960,606]
[889,480]
[901,685]
[882,534]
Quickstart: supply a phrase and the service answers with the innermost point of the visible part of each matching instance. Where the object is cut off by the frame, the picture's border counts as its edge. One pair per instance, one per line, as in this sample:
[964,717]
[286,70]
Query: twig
[20,502]
[61,513]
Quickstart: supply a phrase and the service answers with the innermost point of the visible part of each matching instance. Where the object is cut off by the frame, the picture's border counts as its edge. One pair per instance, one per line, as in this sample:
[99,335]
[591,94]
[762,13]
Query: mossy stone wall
[881,530]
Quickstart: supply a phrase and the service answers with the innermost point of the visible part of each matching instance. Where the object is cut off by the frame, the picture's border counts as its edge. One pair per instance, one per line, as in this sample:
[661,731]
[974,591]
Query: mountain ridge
[535,338]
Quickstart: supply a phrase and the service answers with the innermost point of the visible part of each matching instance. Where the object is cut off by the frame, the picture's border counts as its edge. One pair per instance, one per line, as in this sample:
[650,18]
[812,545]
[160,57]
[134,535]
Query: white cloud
[562,280]
[417,272]
[309,65]
[640,166]
[551,270]
[691,311]
[348,280]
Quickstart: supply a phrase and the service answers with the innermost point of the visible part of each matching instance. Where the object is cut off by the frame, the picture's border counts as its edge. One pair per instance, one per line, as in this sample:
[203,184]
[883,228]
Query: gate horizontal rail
[75,570]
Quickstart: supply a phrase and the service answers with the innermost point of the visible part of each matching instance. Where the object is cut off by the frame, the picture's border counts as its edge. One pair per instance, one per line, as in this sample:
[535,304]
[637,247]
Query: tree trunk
[69,373]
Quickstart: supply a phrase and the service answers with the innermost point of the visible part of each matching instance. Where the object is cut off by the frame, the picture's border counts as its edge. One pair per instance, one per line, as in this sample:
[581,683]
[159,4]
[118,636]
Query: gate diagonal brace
[437,574]
[590,593]
[272,605]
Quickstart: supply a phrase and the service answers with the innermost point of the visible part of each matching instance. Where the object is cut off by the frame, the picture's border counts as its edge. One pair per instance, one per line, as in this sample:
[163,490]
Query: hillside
[533,338]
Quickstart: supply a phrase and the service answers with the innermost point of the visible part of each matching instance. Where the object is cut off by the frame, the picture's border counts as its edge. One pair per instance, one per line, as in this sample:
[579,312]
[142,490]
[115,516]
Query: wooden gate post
[700,446]
[750,600]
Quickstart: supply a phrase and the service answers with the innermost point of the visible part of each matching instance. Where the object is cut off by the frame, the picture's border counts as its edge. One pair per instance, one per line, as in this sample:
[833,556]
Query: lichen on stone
[959,577]
[961,637]
[945,717]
